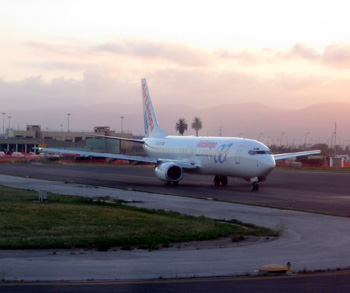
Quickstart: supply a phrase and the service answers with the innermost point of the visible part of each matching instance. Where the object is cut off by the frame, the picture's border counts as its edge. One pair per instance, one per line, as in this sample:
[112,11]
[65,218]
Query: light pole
[68,120]
[293,142]
[9,121]
[305,140]
[121,124]
[259,136]
[3,123]
[281,139]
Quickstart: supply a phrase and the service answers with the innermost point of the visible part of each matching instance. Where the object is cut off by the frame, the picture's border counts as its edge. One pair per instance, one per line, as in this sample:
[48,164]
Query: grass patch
[78,222]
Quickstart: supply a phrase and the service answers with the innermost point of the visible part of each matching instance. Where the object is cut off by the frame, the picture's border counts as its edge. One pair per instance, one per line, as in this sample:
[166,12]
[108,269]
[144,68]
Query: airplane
[173,156]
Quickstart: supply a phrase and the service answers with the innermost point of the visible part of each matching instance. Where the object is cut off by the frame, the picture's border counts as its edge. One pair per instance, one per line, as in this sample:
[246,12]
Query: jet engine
[169,171]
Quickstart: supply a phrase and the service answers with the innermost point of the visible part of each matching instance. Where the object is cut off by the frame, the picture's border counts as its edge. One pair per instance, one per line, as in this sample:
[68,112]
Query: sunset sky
[285,54]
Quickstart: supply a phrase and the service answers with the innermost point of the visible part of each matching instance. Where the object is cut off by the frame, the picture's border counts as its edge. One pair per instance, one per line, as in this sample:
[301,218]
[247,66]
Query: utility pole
[3,123]
[335,138]
[121,125]
[68,120]
[281,139]
[305,140]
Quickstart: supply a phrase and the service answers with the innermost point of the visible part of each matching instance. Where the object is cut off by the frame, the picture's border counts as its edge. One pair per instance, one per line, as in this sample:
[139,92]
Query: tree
[196,124]
[181,126]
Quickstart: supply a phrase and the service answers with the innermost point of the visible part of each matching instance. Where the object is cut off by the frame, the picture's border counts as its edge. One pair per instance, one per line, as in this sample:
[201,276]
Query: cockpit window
[258,152]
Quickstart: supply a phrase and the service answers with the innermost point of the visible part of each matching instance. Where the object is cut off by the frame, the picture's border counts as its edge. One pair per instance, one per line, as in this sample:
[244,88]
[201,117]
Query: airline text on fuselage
[207,144]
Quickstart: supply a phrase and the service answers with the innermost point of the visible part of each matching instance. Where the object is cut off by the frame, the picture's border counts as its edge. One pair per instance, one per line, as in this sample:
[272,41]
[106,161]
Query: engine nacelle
[169,171]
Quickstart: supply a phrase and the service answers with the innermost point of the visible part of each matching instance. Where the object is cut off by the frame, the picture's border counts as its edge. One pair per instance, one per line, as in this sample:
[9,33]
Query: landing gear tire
[220,179]
[224,180]
[254,187]
[217,180]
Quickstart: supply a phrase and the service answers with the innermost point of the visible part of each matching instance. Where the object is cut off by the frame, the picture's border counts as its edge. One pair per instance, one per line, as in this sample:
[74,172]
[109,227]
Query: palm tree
[181,126]
[196,124]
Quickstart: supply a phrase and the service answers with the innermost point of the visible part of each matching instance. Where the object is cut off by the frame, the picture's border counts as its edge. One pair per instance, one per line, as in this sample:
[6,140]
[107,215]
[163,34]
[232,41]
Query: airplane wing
[118,138]
[102,155]
[180,163]
[293,155]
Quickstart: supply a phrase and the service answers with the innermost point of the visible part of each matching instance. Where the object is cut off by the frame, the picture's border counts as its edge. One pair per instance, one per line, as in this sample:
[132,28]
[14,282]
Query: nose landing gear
[254,186]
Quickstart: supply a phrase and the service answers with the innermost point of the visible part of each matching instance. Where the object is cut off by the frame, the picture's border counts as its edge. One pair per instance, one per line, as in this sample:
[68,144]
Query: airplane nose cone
[267,164]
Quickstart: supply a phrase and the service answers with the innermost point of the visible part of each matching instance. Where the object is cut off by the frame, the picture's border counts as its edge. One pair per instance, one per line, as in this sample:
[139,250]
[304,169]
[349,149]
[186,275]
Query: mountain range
[309,125]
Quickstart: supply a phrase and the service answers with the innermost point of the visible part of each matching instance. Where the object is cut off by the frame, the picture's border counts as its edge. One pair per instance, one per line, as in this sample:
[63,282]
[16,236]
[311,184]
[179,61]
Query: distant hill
[247,119]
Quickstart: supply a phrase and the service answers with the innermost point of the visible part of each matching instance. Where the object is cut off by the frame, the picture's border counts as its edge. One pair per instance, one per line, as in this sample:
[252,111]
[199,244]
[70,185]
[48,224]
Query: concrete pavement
[308,241]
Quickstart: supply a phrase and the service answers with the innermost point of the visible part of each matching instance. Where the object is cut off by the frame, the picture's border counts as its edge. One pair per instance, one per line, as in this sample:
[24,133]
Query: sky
[284,54]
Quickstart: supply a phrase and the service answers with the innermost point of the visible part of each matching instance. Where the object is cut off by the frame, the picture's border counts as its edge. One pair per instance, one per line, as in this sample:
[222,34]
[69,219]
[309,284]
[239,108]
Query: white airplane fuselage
[236,157]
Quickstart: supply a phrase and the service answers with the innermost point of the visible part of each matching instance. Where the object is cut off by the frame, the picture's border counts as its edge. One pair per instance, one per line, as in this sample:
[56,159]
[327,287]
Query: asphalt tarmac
[307,191]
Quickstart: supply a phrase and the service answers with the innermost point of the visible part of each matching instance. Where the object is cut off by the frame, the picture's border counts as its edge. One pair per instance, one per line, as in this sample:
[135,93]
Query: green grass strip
[79,222]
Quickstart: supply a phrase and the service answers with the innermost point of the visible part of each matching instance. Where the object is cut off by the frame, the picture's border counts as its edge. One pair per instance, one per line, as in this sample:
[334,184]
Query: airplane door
[238,155]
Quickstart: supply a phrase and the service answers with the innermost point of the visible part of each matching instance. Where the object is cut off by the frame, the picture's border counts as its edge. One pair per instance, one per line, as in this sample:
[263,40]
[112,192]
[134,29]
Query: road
[321,282]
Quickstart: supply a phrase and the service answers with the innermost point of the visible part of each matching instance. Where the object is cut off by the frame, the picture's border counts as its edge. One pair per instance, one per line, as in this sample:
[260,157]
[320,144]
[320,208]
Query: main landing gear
[220,179]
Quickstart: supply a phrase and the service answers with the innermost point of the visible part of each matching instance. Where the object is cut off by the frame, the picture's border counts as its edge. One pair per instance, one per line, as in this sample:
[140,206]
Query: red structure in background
[19,157]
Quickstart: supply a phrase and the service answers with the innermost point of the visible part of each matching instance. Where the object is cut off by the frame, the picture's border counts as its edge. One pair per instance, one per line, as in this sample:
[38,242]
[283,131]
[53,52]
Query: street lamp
[3,123]
[281,139]
[68,120]
[259,136]
[121,125]
[305,140]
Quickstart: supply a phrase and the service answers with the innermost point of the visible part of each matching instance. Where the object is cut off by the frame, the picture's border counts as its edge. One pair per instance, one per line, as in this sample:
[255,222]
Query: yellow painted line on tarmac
[170,281]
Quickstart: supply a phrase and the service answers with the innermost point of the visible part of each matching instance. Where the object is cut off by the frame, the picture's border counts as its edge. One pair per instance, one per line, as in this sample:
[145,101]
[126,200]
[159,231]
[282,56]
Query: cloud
[337,55]
[334,55]
[303,51]
[67,66]
[247,57]
[53,48]
[180,54]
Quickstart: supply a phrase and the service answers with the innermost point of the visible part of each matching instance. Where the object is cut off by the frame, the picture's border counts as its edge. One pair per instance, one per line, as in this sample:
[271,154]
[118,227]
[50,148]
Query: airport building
[27,140]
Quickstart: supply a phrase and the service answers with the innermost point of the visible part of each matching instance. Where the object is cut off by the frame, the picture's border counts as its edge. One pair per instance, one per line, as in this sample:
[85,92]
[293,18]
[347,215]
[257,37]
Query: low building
[33,136]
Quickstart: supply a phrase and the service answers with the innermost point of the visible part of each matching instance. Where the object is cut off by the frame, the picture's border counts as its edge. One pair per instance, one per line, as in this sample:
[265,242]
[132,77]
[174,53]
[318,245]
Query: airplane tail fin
[152,127]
